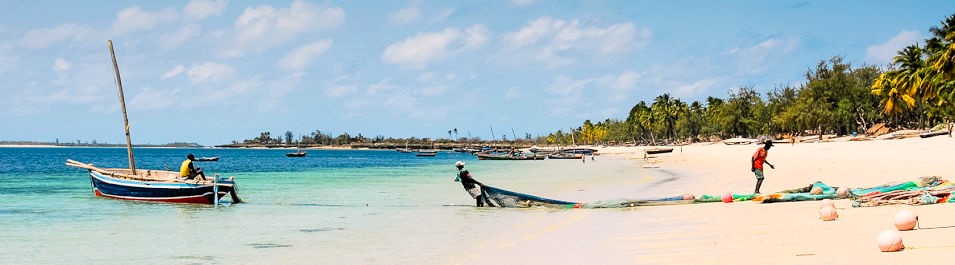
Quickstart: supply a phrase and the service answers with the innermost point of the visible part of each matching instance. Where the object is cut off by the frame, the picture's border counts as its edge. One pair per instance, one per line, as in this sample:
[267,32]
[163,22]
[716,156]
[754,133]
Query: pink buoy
[689,197]
[905,220]
[826,202]
[828,213]
[727,197]
[890,241]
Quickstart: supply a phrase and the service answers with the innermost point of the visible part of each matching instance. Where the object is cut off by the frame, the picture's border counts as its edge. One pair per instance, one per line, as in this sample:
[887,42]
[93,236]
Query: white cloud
[533,32]
[513,93]
[340,91]
[883,53]
[201,9]
[61,65]
[442,15]
[42,38]
[135,18]
[262,27]
[696,88]
[299,58]
[430,91]
[209,72]
[522,3]
[8,59]
[421,49]
[404,16]
[380,88]
[758,58]
[175,71]
[558,42]
[151,99]
[181,36]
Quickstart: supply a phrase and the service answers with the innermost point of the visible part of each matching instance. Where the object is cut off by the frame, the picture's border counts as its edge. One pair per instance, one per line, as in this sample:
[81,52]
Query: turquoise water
[330,207]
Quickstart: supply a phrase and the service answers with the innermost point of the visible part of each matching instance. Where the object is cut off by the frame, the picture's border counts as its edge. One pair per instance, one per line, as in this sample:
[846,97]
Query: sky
[211,72]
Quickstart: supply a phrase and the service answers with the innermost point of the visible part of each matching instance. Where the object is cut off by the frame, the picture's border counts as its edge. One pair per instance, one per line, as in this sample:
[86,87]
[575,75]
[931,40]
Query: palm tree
[667,111]
[895,100]
[944,63]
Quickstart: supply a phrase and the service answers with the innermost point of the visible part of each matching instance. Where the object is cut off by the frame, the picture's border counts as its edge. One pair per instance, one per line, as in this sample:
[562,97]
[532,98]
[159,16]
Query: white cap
[459,164]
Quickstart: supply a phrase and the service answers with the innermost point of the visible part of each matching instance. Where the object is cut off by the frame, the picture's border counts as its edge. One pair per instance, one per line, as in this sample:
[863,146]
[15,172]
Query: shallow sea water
[330,207]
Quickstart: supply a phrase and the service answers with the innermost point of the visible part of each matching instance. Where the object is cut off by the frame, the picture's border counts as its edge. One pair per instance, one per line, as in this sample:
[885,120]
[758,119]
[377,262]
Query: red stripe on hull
[196,199]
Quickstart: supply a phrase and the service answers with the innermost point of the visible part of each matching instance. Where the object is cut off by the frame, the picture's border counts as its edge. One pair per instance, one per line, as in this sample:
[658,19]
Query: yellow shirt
[184,169]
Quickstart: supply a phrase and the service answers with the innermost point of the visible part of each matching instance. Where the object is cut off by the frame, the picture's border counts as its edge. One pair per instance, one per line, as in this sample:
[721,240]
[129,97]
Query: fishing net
[509,199]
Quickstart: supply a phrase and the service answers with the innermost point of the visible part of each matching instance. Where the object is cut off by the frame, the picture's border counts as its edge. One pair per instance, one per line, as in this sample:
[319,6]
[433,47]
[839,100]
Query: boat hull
[508,157]
[154,191]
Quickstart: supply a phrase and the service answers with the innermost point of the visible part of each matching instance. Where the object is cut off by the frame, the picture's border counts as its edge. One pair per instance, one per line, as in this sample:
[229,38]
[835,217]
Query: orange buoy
[815,191]
[906,220]
[828,213]
[890,241]
[689,197]
[727,197]
[826,202]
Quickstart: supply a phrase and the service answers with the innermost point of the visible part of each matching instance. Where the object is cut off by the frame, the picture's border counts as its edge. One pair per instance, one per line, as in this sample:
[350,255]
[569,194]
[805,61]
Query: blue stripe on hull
[154,191]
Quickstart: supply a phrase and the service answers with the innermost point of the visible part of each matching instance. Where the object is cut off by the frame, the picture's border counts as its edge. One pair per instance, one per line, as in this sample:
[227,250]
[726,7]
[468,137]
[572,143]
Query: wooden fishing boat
[564,156]
[152,185]
[157,185]
[652,151]
[583,151]
[490,156]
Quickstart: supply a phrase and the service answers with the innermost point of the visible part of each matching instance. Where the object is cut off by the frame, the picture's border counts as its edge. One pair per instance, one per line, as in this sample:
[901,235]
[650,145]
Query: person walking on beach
[470,184]
[756,164]
[189,171]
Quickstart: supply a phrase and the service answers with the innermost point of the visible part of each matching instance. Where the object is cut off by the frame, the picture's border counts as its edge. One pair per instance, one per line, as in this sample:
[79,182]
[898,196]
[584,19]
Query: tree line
[915,91]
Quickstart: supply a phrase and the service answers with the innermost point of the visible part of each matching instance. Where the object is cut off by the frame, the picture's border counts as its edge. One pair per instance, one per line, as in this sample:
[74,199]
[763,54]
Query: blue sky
[216,71]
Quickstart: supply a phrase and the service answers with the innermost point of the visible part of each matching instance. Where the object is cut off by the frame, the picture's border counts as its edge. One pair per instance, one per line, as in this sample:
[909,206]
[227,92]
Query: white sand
[741,232]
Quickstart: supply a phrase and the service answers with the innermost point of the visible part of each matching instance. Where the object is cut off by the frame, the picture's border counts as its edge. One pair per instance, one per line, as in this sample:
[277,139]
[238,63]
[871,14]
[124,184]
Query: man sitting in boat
[188,171]
[470,184]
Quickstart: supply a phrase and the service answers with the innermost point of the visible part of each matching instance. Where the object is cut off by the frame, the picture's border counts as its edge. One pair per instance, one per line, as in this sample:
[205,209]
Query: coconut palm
[895,99]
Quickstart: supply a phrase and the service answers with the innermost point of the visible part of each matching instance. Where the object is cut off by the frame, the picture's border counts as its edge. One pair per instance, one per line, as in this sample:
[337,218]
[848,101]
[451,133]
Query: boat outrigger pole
[122,104]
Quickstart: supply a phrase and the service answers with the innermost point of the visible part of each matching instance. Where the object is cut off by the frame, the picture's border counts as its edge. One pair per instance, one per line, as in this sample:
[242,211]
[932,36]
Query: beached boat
[583,151]
[152,185]
[509,156]
[652,151]
[565,156]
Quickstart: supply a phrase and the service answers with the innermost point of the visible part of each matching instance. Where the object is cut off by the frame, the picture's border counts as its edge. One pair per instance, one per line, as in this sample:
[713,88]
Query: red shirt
[759,158]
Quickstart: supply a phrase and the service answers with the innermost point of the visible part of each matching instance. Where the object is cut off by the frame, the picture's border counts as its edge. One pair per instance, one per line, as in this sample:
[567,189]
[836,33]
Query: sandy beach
[746,232]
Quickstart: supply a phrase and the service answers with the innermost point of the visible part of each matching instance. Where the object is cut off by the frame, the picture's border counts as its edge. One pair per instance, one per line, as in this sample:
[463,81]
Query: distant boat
[296,154]
[426,153]
[405,150]
[658,150]
[214,158]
